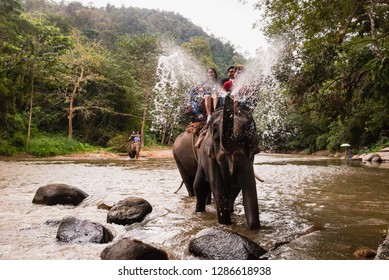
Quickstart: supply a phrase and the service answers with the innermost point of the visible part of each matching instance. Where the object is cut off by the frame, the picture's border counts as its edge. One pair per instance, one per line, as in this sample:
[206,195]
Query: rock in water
[128,211]
[59,194]
[75,230]
[127,249]
[214,244]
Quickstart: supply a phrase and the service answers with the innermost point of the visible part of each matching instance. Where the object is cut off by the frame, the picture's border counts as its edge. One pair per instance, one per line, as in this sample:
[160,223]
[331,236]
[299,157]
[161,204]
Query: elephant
[134,150]
[186,156]
[225,164]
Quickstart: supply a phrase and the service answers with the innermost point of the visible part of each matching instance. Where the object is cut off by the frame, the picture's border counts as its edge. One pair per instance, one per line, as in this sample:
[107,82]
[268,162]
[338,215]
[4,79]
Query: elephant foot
[254,225]
[200,208]
[224,219]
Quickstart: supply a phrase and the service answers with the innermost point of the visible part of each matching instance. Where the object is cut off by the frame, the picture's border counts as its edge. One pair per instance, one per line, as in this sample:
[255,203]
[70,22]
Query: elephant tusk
[182,182]
[258,178]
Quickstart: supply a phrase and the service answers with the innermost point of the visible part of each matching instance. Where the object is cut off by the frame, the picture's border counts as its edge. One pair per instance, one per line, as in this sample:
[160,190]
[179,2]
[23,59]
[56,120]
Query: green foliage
[119,143]
[6,149]
[200,48]
[52,145]
[334,68]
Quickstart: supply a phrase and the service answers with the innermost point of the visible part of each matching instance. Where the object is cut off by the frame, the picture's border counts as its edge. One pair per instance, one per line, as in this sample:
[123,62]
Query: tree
[139,54]
[335,55]
[200,48]
[82,64]
[45,45]
[30,47]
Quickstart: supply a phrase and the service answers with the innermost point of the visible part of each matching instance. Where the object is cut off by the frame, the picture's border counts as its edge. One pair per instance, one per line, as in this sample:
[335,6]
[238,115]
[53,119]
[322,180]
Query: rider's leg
[208,106]
[196,109]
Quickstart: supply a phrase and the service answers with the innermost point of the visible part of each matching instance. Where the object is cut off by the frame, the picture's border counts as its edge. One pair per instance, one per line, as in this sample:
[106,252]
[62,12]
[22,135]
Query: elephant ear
[228,139]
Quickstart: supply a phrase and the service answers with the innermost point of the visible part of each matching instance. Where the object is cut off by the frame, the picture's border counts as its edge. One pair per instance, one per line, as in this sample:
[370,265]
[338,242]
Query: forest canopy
[89,73]
[96,74]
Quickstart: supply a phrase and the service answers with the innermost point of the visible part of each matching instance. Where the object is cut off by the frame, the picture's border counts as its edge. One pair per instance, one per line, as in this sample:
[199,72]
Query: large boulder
[384,156]
[214,244]
[126,249]
[53,194]
[370,157]
[75,230]
[128,211]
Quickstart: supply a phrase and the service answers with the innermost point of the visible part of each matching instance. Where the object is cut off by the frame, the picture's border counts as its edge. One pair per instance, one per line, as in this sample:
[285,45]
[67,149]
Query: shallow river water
[346,202]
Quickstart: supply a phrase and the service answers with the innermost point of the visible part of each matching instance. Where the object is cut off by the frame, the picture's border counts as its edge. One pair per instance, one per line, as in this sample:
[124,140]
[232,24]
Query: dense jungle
[75,78]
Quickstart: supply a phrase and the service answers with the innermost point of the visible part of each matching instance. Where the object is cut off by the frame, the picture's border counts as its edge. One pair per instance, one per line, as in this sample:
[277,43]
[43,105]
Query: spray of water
[258,87]
[271,113]
[177,71]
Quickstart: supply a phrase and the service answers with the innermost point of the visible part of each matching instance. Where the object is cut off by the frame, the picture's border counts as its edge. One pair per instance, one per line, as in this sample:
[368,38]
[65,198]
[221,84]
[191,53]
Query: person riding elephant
[134,146]
[223,163]
[201,96]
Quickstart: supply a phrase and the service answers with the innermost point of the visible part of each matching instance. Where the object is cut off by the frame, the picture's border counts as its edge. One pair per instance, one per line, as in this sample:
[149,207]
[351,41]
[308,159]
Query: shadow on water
[310,208]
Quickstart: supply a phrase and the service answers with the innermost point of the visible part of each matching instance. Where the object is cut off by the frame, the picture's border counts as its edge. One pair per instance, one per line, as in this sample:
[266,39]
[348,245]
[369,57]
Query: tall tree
[139,54]
[83,64]
[43,48]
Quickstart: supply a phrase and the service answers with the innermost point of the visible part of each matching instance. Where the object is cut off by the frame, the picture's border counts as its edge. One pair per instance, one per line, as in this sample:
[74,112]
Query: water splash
[177,71]
[258,86]
[176,67]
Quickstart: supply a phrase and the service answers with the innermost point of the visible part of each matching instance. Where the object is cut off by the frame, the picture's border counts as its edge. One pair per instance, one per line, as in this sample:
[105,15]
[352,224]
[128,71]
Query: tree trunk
[31,102]
[71,102]
[144,116]
[169,141]
[375,45]
[163,133]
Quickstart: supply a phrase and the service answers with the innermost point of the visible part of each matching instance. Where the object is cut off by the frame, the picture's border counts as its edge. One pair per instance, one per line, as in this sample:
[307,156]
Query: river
[347,202]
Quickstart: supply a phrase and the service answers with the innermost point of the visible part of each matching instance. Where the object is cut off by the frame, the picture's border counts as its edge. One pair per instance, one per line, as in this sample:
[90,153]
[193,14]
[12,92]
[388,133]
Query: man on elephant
[135,143]
[132,136]
[244,94]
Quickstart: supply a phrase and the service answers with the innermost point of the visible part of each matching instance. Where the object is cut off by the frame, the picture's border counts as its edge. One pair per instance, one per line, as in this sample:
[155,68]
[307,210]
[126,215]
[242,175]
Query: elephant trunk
[228,138]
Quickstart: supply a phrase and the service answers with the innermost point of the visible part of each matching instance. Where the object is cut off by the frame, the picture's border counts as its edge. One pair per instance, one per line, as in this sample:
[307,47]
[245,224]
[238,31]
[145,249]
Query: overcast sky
[228,20]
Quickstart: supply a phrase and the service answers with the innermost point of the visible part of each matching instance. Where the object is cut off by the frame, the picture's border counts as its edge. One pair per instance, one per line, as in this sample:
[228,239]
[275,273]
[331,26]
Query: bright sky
[228,20]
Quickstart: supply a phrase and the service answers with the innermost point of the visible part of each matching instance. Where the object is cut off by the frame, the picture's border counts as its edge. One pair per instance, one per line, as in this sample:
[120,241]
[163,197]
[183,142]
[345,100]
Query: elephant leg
[233,195]
[131,151]
[188,180]
[201,188]
[221,194]
[250,201]
[209,197]
[222,208]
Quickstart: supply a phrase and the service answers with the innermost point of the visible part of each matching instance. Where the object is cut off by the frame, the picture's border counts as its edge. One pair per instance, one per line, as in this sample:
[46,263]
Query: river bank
[101,155]
[381,158]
